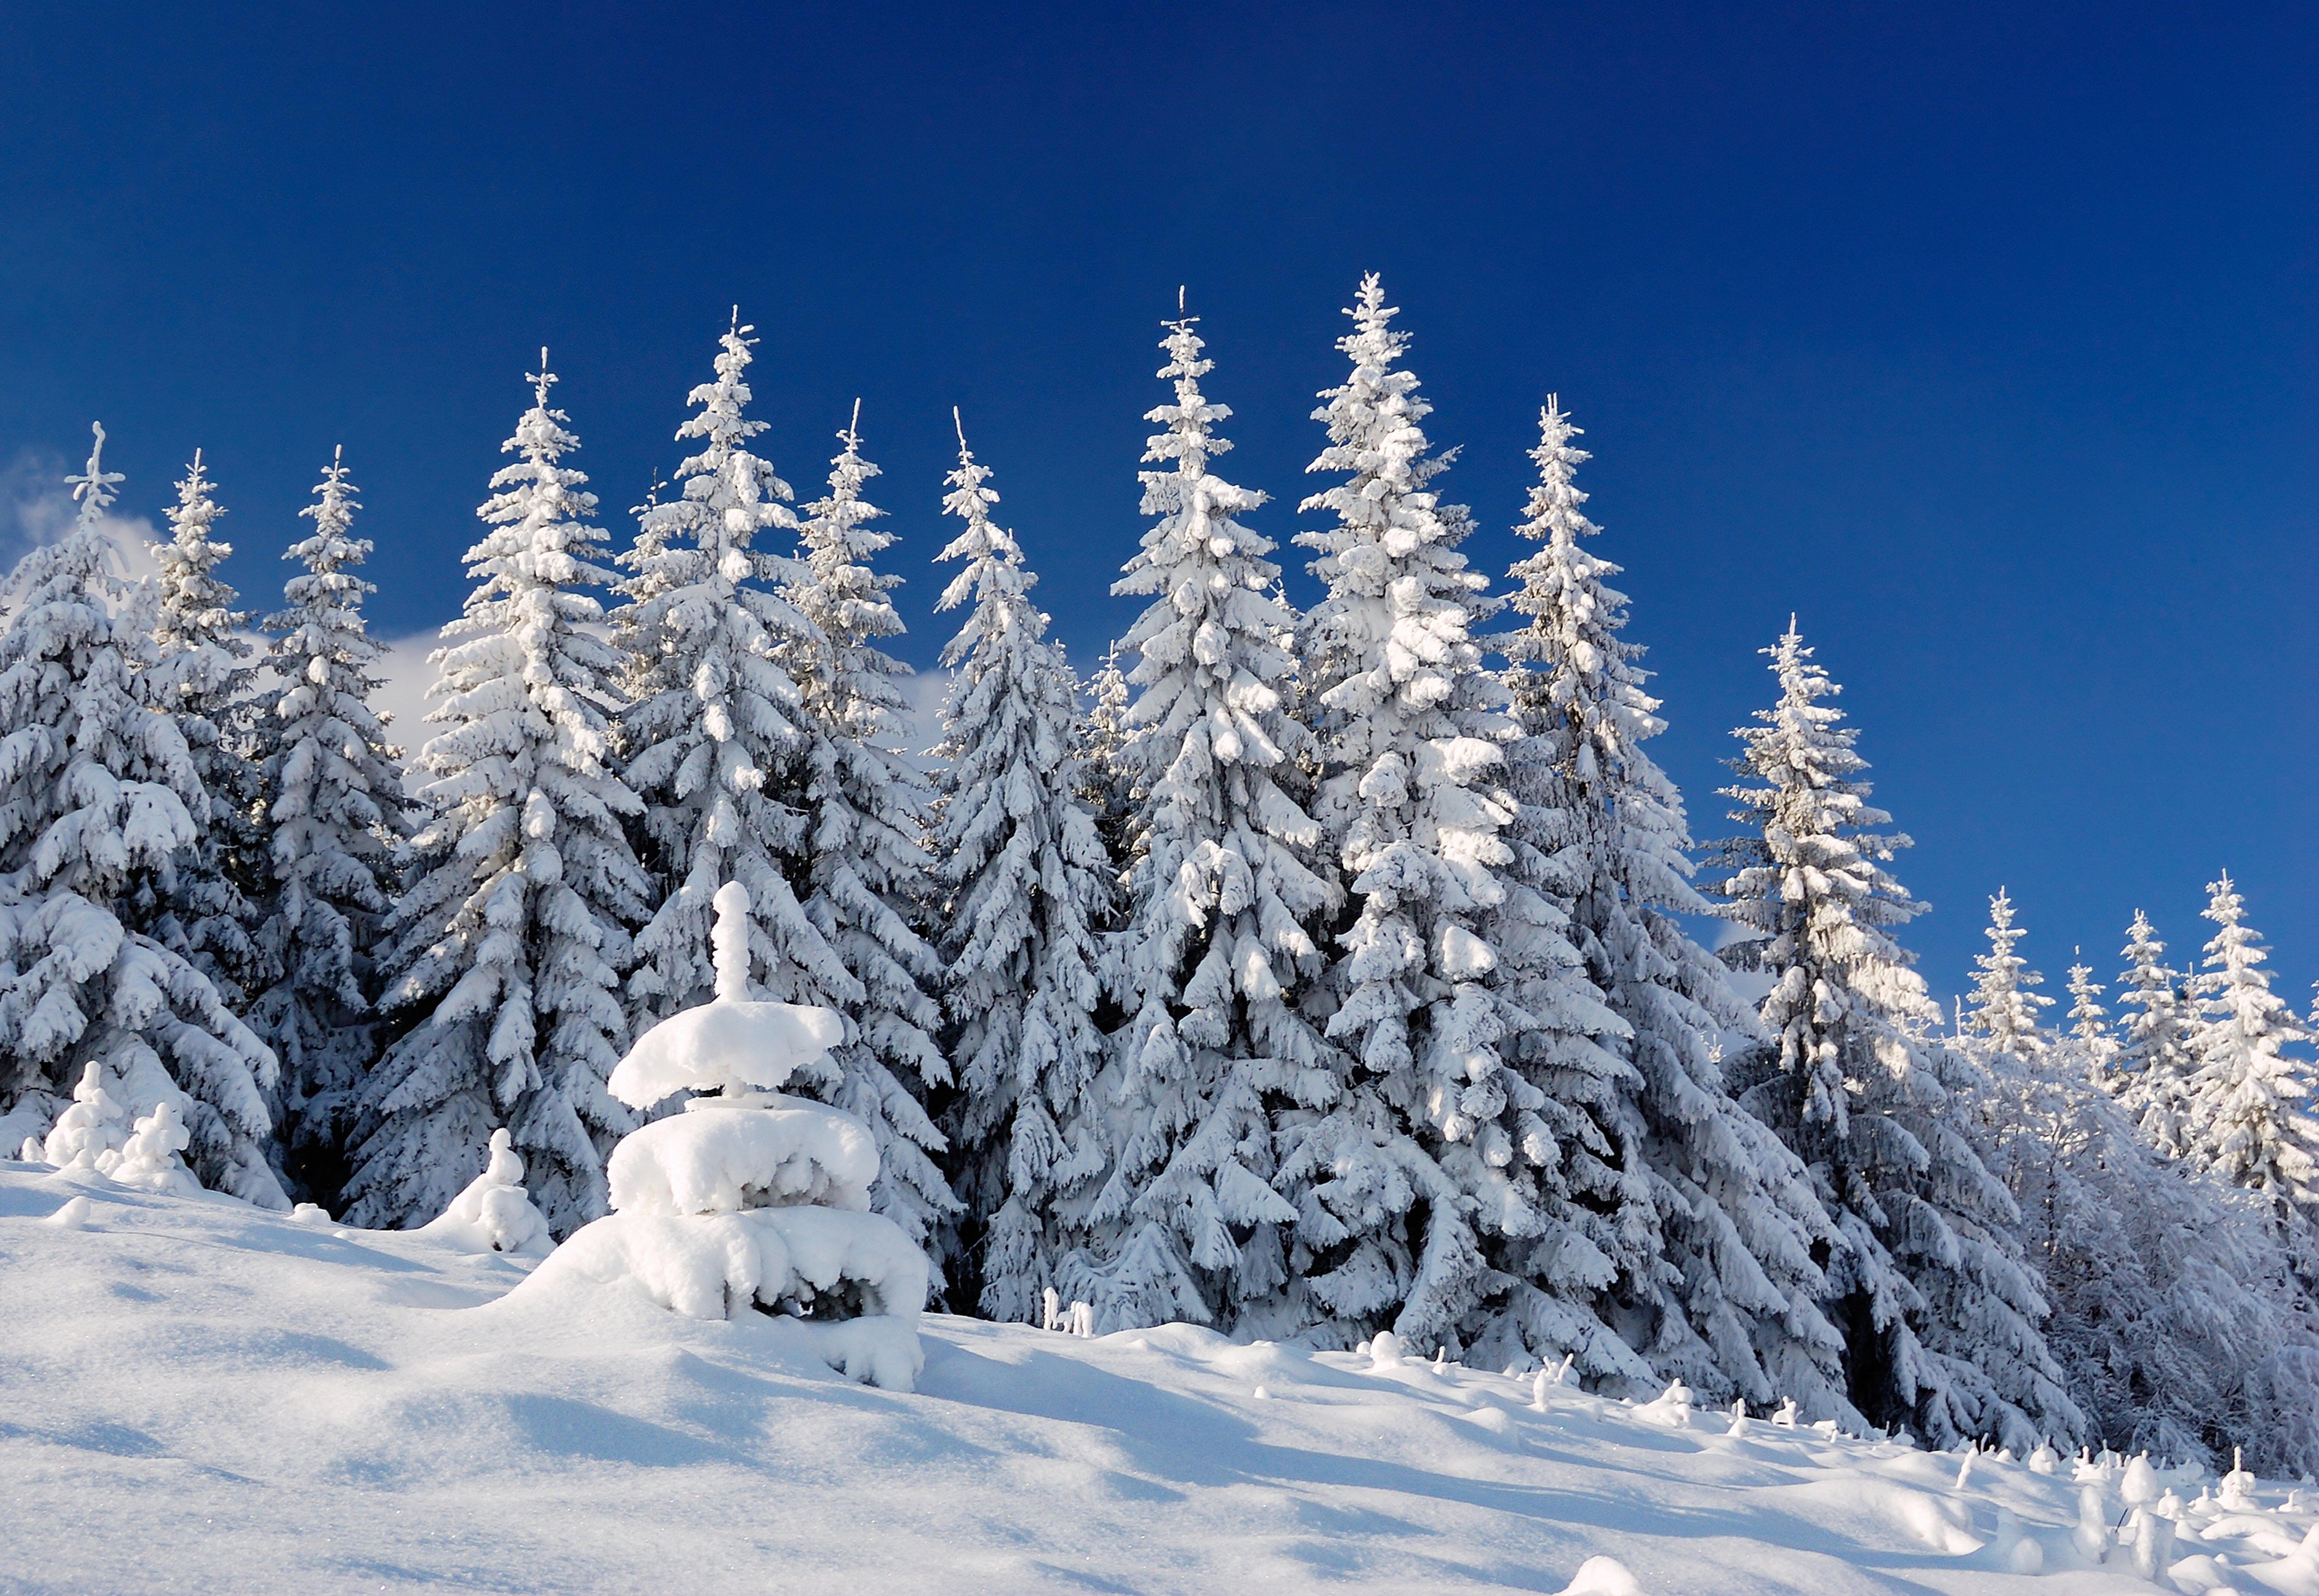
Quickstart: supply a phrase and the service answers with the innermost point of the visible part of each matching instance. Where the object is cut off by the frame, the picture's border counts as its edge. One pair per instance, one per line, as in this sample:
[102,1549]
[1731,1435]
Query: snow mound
[787,1151]
[851,1281]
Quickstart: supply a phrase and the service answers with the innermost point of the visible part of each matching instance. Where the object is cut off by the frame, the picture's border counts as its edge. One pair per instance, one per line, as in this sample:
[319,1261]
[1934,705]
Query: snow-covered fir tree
[867,877]
[2152,1069]
[1939,1313]
[2001,1008]
[1107,786]
[335,812]
[712,733]
[503,967]
[1706,1217]
[1224,893]
[98,797]
[2089,1019]
[201,674]
[2247,1119]
[1024,882]
[1424,1166]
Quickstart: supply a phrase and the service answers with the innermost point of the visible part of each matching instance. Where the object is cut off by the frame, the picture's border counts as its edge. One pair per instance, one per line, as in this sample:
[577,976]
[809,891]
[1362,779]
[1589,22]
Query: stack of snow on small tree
[751,1198]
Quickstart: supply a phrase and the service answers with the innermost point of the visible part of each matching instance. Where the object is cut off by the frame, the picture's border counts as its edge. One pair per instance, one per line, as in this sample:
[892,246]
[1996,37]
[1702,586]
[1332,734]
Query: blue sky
[1982,339]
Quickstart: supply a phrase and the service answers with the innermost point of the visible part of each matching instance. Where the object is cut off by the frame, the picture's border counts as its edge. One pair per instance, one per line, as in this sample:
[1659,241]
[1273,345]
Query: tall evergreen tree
[2089,1019]
[867,876]
[1939,1313]
[713,732]
[1225,890]
[2247,1119]
[1709,1219]
[2153,1063]
[335,807]
[507,947]
[200,675]
[1025,882]
[1560,1280]
[2001,1007]
[1423,1165]
[98,795]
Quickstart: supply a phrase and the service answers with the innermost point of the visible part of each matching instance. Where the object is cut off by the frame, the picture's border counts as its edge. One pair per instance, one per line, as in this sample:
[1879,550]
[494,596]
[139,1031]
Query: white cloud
[406,676]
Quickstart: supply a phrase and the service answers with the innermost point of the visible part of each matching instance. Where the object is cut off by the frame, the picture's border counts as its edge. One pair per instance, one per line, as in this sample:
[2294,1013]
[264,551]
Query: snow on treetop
[729,1043]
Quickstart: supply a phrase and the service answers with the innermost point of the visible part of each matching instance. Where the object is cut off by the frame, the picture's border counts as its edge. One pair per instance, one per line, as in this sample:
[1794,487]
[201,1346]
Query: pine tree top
[2001,1006]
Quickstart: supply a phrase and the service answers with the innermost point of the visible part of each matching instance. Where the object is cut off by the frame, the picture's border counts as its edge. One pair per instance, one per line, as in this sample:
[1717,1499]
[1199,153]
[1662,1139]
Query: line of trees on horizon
[1302,973]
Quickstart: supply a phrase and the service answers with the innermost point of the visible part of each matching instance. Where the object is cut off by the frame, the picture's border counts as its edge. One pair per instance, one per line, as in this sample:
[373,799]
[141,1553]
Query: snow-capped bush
[751,1199]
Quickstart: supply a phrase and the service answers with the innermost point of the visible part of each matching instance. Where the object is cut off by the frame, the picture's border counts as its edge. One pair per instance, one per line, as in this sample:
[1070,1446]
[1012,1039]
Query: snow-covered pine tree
[97,795]
[2151,1071]
[2089,1019]
[1108,788]
[1560,1279]
[712,733]
[1223,896]
[199,674]
[2247,1118]
[335,808]
[1940,1315]
[1423,1165]
[1025,882]
[867,877]
[2001,1008]
[504,955]
[1709,1218]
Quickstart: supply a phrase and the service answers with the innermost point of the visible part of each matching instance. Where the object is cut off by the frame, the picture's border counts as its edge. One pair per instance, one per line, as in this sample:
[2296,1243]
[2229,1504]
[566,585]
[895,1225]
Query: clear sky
[1981,338]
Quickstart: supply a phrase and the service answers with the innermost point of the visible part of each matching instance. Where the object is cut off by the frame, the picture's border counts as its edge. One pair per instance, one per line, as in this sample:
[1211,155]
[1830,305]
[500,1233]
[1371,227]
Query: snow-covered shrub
[149,1157]
[751,1199]
[493,1213]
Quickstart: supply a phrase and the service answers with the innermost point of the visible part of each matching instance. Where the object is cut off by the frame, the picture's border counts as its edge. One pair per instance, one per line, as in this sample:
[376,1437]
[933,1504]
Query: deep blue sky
[1985,341]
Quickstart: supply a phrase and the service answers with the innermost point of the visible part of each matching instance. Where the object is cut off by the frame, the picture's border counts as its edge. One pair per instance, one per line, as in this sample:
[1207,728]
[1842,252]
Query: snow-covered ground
[197,1395]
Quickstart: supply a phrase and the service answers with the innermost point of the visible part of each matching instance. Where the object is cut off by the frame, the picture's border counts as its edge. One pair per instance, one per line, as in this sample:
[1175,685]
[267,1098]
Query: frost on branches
[1427,1162]
[336,816]
[506,948]
[1938,1314]
[1184,1221]
[98,794]
[713,729]
[2247,1119]
[866,873]
[1024,881]
[1705,1218]
[199,675]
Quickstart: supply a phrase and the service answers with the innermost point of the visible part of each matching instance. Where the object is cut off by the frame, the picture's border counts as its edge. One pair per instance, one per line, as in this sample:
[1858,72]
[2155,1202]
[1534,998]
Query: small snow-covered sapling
[150,1159]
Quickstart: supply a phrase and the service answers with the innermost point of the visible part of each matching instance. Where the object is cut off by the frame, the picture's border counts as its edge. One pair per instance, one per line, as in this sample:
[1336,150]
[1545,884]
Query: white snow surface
[198,1395]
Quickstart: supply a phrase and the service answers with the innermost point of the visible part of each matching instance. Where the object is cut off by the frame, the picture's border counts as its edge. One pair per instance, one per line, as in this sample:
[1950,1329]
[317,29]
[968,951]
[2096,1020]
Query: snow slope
[198,1395]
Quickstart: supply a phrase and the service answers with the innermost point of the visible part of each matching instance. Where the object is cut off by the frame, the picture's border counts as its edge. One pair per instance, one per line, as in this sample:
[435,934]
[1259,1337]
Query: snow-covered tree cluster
[1308,974]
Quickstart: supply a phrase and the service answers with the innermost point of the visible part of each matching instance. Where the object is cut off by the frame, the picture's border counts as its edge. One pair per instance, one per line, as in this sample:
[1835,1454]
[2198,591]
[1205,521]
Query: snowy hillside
[195,1394]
